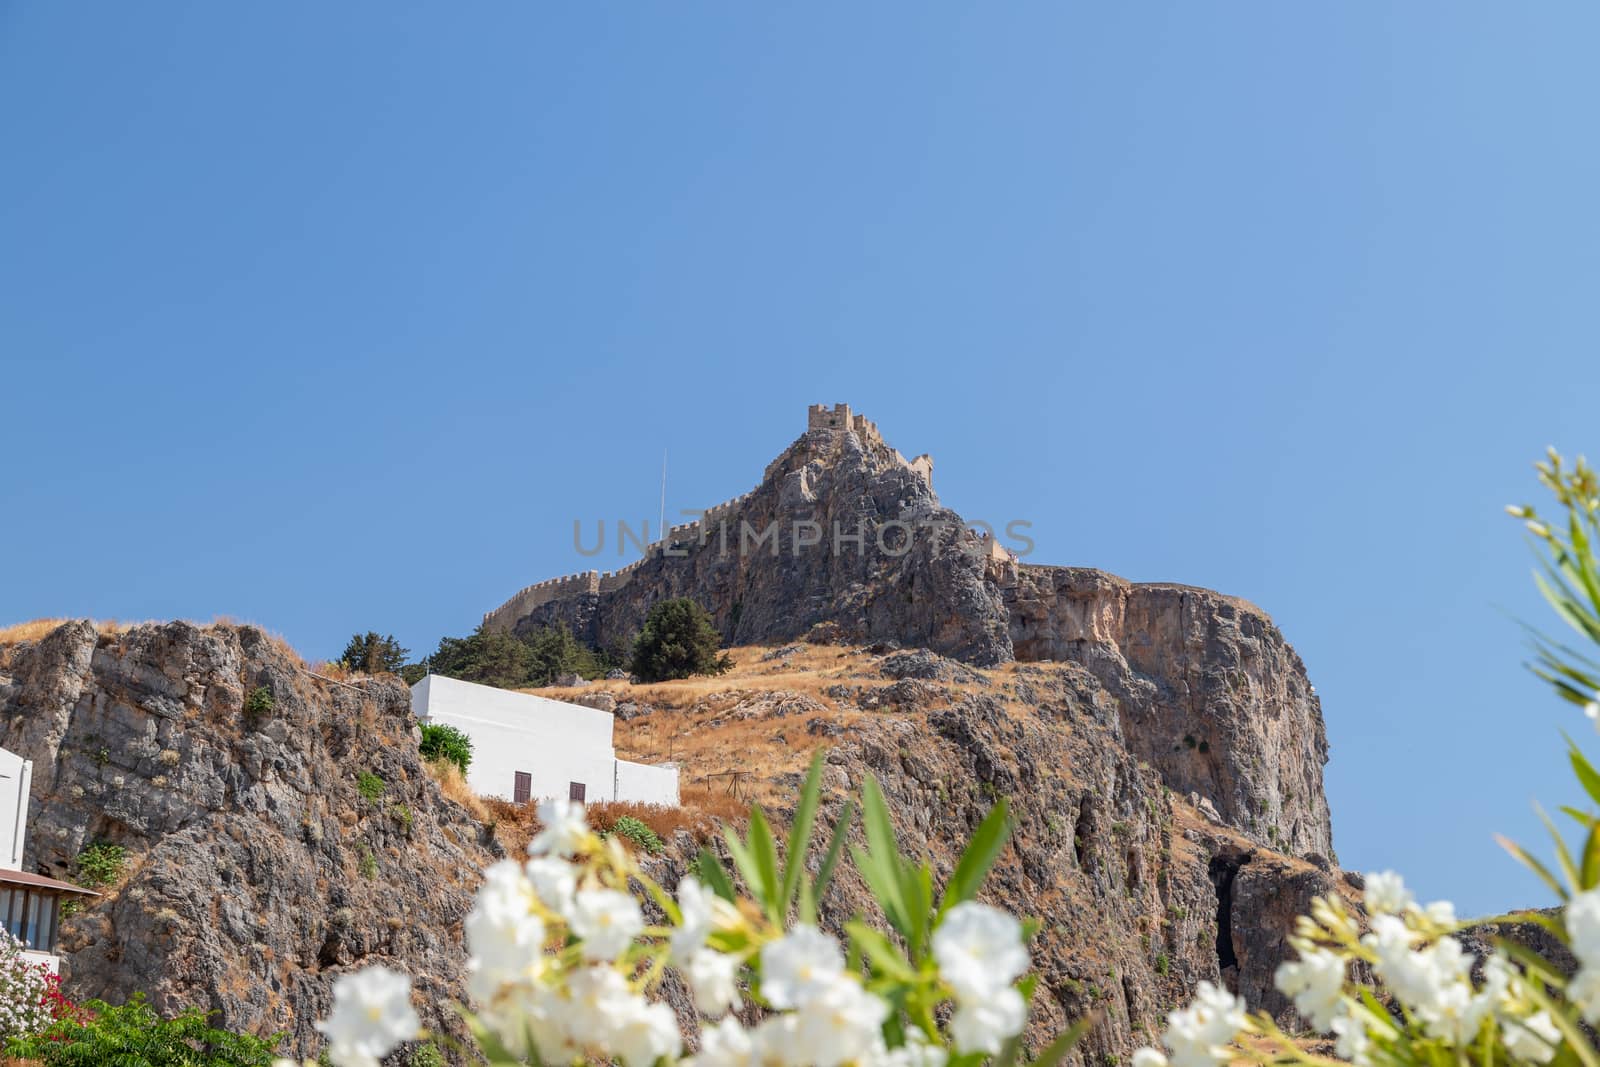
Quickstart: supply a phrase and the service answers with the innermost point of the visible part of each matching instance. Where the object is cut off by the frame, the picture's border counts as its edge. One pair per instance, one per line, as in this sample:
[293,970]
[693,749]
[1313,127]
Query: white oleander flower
[979,950]
[1149,1057]
[1584,991]
[1387,894]
[694,902]
[727,1044]
[985,1024]
[916,1052]
[596,998]
[645,1033]
[564,829]
[773,1042]
[370,1017]
[554,881]
[798,966]
[606,921]
[838,1023]
[1440,912]
[1197,1036]
[505,939]
[714,980]
[1582,919]
[1353,1041]
[1316,984]
[1534,1039]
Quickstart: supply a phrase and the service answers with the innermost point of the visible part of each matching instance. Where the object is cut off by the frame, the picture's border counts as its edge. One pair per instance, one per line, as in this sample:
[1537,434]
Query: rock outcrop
[845,540]
[1139,896]
[269,849]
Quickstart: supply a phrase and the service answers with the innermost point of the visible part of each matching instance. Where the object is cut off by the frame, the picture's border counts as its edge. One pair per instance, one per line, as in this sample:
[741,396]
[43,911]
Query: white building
[530,747]
[30,904]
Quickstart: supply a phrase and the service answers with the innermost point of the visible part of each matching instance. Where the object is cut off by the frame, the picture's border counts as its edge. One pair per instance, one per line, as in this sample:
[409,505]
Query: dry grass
[35,629]
[701,814]
[453,784]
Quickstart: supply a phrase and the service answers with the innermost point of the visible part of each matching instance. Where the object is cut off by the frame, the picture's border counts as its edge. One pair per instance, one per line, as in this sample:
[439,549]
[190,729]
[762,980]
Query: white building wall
[16,777]
[646,784]
[554,742]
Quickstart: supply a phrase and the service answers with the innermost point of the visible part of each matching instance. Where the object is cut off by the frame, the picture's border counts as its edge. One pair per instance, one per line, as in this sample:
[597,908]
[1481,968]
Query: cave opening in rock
[1082,830]
[1223,870]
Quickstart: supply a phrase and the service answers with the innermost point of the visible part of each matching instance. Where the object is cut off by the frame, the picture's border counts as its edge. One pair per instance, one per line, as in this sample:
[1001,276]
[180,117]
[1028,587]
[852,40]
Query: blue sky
[337,316]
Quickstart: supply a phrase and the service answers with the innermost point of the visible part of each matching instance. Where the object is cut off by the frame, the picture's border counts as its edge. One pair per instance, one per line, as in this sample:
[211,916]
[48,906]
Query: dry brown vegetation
[701,814]
[453,784]
[35,629]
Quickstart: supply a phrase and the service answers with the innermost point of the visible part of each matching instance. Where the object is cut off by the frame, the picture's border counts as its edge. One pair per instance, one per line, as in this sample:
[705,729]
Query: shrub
[426,1054]
[30,996]
[678,640]
[368,865]
[637,832]
[1163,964]
[440,741]
[369,785]
[101,864]
[259,703]
[133,1035]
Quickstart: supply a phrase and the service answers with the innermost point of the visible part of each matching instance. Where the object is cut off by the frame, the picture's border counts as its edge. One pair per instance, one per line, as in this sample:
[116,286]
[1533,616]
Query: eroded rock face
[1207,690]
[1123,876]
[841,531]
[257,871]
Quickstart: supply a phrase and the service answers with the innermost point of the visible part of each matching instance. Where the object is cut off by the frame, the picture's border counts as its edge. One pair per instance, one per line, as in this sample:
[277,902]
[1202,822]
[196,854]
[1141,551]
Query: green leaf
[715,876]
[746,864]
[1589,869]
[805,814]
[1563,856]
[883,879]
[1585,771]
[764,850]
[886,959]
[1533,865]
[830,859]
[1056,1051]
[881,864]
[978,857]
[1576,1040]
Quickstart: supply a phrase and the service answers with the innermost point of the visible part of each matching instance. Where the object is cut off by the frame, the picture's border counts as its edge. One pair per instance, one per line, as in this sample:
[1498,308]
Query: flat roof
[39,881]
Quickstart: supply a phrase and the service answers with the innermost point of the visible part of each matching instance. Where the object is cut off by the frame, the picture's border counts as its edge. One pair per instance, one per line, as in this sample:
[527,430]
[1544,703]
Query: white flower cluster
[22,991]
[1409,948]
[1199,1035]
[561,958]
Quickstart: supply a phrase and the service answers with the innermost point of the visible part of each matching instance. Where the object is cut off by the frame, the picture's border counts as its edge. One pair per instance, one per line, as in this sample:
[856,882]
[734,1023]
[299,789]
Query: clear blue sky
[336,316]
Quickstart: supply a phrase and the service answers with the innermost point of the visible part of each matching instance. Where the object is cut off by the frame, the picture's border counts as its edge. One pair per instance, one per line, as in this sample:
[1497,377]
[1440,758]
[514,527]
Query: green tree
[557,652]
[133,1035]
[487,657]
[678,640]
[442,741]
[374,654]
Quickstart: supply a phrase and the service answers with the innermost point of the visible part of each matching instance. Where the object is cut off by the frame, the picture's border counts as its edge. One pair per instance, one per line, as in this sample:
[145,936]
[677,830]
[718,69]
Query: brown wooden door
[523,791]
[576,791]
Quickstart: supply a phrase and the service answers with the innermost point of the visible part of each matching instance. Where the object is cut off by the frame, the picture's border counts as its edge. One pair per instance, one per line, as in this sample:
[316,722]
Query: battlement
[819,417]
[587,582]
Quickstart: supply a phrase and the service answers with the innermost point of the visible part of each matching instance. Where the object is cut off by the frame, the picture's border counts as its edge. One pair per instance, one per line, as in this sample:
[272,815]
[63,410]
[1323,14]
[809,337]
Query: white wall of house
[647,784]
[553,742]
[16,777]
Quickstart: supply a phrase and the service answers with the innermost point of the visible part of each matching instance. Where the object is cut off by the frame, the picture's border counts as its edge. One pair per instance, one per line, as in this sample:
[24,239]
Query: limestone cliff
[844,537]
[258,868]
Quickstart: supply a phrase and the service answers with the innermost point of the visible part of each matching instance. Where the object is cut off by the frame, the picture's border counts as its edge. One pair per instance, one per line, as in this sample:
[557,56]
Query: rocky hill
[269,849]
[1160,745]
[846,540]
[1142,892]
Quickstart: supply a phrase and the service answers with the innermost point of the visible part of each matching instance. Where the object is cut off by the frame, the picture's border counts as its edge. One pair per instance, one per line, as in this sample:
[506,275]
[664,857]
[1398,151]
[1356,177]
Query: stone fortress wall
[818,417]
